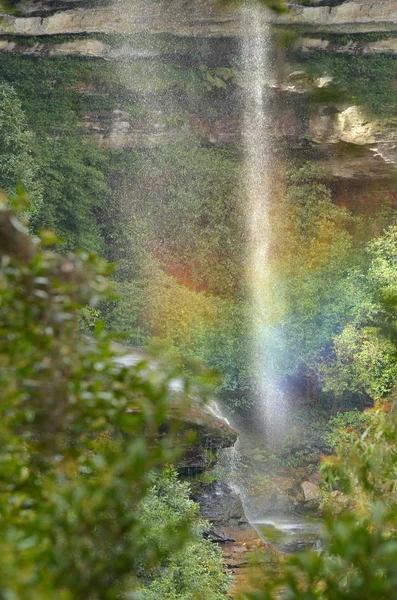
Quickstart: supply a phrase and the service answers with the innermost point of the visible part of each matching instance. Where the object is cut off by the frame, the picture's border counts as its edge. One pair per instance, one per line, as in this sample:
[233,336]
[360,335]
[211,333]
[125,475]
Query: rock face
[346,16]
[209,432]
[243,550]
[200,429]
[80,47]
[222,507]
[201,17]
[129,17]
[349,125]
[352,47]
[326,131]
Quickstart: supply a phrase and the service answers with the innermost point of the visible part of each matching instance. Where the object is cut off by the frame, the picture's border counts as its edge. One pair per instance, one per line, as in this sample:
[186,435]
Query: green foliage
[88,318]
[17,165]
[343,424]
[314,247]
[278,6]
[217,77]
[364,362]
[359,546]
[76,191]
[180,263]
[188,289]
[71,173]
[191,190]
[382,272]
[79,436]
[332,291]
[191,573]
[175,226]
[365,81]
[364,354]
[193,228]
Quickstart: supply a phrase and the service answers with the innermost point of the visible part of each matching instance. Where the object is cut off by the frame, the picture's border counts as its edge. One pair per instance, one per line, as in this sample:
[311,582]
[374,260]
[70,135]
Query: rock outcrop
[346,16]
[129,17]
[327,131]
[195,17]
[222,507]
[357,47]
[203,433]
[311,492]
[199,427]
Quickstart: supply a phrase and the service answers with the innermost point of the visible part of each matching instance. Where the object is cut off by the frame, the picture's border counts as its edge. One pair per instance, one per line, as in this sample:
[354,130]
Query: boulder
[311,492]
[349,125]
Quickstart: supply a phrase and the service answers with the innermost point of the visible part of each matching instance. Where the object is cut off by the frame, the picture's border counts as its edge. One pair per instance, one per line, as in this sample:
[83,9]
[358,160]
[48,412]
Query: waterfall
[267,343]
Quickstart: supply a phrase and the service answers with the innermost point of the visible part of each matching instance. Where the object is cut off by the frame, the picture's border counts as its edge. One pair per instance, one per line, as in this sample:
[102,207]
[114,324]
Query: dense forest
[123,233]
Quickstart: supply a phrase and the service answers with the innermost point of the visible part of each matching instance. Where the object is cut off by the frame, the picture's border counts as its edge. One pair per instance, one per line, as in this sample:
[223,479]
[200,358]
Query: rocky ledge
[199,428]
[353,47]
[347,16]
[200,17]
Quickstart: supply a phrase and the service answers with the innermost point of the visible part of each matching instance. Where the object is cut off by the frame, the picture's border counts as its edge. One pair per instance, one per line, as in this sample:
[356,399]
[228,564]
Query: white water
[258,76]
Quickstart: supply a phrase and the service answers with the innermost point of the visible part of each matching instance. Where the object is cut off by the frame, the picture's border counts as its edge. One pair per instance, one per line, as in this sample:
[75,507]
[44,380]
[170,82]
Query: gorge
[238,168]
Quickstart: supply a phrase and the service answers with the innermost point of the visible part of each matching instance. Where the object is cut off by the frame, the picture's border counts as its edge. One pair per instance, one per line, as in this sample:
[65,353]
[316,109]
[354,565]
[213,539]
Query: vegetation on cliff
[172,218]
[87,510]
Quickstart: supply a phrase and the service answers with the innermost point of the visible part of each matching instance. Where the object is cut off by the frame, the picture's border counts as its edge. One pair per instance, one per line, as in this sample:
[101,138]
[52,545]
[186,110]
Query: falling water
[262,280]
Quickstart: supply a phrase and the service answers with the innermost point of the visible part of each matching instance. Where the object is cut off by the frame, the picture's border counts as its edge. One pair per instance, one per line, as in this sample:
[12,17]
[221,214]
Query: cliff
[195,18]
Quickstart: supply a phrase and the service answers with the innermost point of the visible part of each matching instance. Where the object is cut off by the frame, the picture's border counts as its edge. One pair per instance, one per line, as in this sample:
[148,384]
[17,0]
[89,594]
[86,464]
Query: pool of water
[290,535]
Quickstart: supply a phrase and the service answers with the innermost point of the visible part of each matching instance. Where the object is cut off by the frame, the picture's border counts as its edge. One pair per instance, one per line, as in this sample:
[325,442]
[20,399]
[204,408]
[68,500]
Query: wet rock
[220,503]
[239,554]
[202,433]
[199,428]
[300,544]
[222,507]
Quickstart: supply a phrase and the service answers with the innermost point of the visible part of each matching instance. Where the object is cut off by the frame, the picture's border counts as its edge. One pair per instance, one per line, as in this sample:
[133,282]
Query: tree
[364,356]
[360,543]
[17,164]
[79,434]
[191,573]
